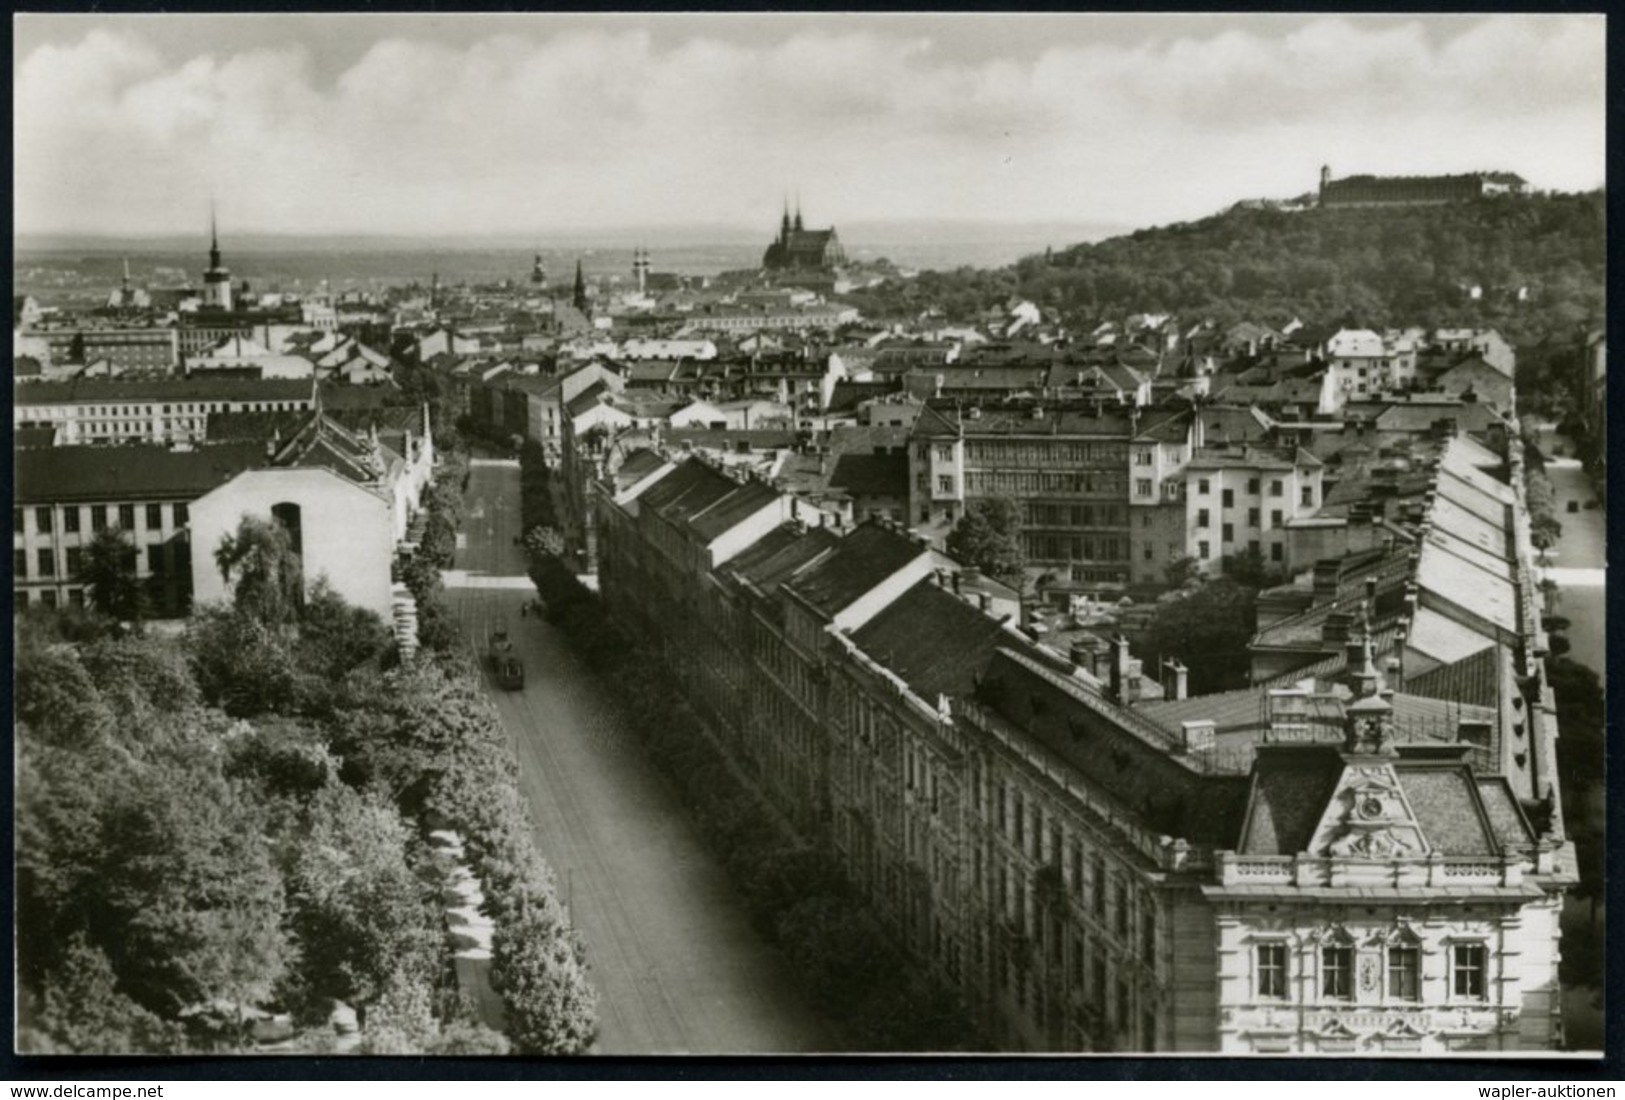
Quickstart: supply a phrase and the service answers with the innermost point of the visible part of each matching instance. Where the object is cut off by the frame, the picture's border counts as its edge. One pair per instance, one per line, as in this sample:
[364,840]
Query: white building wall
[347,532]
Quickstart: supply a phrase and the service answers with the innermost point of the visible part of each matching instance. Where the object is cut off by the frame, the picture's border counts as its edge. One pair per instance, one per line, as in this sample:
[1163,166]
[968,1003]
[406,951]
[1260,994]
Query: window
[1098,875]
[1148,934]
[1252,517]
[126,516]
[1467,970]
[19,563]
[1202,486]
[1202,550]
[945,454]
[74,554]
[76,597]
[945,484]
[1252,486]
[70,518]
[1142,487]
[155,559]
[1229,498]
[1124,1001]
[1121,906]
[1201,517]
[1307,496]
[1276,488]
[1271,970]
[1147,553]
[1228,532]
[42,520]
[1404,973]
[16,521]
[1142,458]
[155,516]
[1337,972]
[48,597]
[180,515]
[1275,517]
[47,563]
[1277,552]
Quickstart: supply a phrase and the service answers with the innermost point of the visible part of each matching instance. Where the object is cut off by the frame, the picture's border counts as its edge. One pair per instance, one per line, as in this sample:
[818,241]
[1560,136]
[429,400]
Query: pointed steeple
[214,240]
[798,212]
[578,297]
[784,222]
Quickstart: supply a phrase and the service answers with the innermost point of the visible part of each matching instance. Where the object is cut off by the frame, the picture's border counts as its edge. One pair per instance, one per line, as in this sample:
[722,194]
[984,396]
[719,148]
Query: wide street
[676,963]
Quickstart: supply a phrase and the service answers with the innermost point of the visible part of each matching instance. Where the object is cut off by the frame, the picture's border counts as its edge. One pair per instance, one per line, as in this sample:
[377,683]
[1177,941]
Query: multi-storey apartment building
[146,349]
[170,410]
[1163,443]
[1068,466]
[65,495]
[1241,499]
[1336,865]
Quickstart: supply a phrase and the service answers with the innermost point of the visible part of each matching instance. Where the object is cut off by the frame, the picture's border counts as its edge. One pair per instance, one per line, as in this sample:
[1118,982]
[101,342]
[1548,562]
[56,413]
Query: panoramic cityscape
[797,534]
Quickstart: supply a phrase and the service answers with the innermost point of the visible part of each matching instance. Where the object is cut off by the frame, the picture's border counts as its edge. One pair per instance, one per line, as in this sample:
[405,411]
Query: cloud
[518,133]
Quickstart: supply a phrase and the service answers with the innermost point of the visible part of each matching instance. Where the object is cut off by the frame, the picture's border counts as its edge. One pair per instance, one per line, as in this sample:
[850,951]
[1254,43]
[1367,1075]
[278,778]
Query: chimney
[984,601]
[1125,673]
[958,583]
[1334,630]
[1197,736]
[1176,679]
[1371,592]
[1325,582]
[1474,731]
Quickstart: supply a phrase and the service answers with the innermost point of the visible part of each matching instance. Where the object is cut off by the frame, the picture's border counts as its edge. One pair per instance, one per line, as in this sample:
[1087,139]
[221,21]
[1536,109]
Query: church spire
[798,212]
[784,222]
[579,297]
[214,239]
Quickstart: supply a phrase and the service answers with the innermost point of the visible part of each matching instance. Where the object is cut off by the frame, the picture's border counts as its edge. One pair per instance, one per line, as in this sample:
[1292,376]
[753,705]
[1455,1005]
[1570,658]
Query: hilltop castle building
[1416,190]
[798,248]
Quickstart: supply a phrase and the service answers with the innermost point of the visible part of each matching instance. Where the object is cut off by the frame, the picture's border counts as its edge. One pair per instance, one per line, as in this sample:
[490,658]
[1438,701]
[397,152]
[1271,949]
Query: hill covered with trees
[1375,267]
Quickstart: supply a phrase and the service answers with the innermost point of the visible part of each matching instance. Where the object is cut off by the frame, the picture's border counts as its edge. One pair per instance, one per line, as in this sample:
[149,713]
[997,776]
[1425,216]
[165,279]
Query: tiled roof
[1473,679]
[935,641]
[1445,804]
[1108,744]
[779,554]
[1507,822]
[871,475]
[201,387]
[133,472]
[724,514]
[863,559]
[689,489]
[1291,788]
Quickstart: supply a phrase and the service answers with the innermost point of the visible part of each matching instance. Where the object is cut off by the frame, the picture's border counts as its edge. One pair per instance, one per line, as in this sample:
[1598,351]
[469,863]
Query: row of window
[1204,486]
[1204,548]
[1039,453]
[45,524]
[1402,967]
[1108,548]
[45,561]
[1277,519]
[1025,483]
[1050,514]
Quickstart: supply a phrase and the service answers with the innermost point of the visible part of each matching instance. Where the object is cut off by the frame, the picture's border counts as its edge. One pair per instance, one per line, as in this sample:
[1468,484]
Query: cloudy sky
[537,123]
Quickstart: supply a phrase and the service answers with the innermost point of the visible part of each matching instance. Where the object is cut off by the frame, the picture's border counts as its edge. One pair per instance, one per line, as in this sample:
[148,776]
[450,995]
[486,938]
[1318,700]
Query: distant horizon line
[686,229]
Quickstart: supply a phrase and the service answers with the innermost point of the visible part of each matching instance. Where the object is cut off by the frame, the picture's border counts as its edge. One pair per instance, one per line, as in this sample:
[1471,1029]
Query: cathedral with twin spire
[798,248]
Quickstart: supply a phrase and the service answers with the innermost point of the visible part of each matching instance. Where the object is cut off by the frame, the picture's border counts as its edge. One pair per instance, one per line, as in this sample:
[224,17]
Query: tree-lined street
[677,964]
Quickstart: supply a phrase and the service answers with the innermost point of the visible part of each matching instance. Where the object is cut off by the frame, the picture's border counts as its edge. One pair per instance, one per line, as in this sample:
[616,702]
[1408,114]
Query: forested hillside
[1374,267]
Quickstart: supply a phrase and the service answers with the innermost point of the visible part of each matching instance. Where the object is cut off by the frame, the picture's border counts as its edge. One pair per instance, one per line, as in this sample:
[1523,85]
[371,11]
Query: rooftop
[132,472]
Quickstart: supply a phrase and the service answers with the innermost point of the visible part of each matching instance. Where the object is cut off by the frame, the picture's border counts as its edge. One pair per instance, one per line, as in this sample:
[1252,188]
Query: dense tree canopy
[1394,266]
[988,537]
